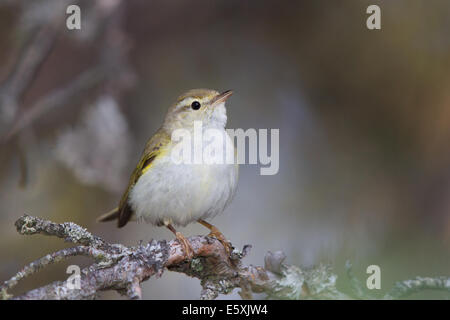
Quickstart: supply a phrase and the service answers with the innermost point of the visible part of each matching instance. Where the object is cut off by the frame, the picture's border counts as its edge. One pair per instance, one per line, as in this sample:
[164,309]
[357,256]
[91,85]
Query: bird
[167,193]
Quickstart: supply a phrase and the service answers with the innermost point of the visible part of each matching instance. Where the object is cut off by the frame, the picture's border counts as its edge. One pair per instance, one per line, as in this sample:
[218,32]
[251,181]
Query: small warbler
[165,193]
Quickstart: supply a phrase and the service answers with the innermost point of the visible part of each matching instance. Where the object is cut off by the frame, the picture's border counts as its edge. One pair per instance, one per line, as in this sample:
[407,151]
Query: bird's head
[205,105]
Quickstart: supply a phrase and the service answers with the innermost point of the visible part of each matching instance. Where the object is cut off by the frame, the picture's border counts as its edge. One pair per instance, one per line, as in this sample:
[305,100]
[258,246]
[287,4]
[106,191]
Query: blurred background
[364,119]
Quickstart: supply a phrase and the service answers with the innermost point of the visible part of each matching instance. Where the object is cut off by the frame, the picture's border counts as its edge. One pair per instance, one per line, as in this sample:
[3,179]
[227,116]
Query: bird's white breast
[183,193]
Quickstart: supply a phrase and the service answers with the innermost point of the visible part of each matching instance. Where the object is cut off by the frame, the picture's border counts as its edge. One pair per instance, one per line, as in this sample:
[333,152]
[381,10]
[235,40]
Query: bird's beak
[222,97]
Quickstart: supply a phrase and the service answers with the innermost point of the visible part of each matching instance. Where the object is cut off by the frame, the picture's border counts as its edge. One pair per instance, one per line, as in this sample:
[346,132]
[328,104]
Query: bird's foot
[215,233]
[189,252]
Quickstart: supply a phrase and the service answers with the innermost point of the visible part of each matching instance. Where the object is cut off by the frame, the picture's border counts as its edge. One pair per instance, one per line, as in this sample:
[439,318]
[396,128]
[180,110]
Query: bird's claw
[189,252]
[215,233]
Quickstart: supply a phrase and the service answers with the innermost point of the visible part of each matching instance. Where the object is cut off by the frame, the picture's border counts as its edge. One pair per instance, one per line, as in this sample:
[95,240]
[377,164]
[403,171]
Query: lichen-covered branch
[123,269]
[71,232]
[405,288]
[55,257]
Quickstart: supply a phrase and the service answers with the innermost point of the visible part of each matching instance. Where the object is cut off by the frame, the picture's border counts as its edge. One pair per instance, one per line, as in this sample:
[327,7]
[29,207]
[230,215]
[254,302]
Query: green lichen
[291,283]
[321,280]
[27,227]
[226,286]
[196,265]
[77,233]
[4,295]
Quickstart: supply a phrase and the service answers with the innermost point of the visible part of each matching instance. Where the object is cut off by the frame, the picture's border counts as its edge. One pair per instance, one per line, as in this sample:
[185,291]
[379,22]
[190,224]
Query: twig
[28,63]
[405,288]
[59,97]
[112,65]
[55,257]
[71,232]
[123,269]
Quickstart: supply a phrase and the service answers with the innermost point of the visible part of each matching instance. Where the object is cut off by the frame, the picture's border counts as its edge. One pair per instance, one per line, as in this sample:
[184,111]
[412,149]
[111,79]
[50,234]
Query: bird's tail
[111,215]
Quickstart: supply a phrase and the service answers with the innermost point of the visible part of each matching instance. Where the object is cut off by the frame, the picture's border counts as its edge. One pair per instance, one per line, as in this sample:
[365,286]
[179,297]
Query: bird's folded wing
[155,146]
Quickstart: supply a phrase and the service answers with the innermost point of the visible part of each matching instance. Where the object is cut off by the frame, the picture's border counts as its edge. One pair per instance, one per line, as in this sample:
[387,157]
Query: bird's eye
[195,105]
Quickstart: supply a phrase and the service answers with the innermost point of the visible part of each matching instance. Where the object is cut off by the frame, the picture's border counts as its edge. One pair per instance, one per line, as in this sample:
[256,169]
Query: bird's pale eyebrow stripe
[183,102]
[189,97]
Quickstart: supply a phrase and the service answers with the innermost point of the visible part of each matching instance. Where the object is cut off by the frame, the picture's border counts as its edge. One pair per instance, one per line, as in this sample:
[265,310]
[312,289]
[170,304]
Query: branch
[26,68]
[123,269]
[69,231]
[405,288]
[111,68]
[59,97]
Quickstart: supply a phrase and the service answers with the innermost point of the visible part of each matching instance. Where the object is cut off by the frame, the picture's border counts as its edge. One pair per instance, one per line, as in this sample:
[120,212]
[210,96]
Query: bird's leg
[215,233]
[187,246]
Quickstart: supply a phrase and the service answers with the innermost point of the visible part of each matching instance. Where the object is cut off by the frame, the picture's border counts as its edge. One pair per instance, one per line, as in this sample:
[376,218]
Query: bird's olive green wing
[153,148]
